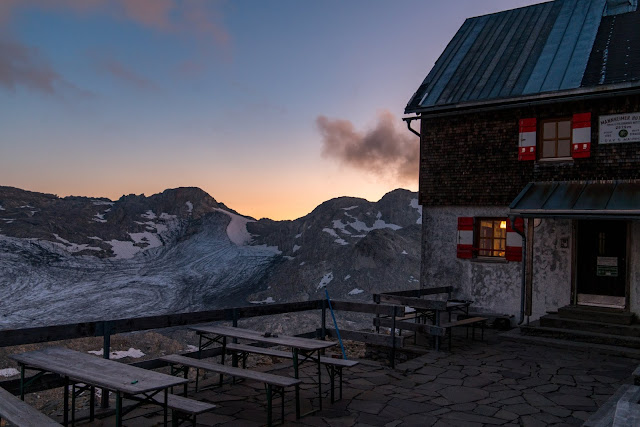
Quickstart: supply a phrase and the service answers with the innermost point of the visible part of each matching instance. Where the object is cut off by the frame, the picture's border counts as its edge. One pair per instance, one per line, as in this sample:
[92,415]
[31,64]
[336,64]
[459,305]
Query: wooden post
[106,350]
[393,340]
[324,319]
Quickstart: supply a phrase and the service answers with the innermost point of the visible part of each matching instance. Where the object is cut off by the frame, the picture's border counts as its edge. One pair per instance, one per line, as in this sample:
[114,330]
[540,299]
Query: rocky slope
[76,258]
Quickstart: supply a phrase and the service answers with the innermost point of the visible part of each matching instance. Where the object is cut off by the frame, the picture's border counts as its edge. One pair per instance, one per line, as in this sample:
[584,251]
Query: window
[492,237]
[555,140]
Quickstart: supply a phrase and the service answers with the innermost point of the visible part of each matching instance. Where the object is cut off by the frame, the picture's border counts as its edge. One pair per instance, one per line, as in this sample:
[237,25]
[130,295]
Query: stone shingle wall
[472,159]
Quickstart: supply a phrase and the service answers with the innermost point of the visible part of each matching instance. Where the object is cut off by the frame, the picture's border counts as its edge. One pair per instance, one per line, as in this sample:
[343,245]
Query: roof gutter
[528,101]
[409,120]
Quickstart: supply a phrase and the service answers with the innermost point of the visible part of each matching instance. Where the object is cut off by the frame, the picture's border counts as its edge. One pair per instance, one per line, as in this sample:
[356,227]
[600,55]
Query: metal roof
[583,199]
[528,51]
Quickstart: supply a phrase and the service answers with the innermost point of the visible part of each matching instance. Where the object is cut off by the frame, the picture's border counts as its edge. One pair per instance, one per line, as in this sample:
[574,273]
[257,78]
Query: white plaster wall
[496,286]
[634,267]
[551,266]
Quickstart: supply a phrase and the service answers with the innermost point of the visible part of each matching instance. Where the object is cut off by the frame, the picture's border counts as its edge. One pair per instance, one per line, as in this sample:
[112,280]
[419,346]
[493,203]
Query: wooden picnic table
[135,383]
[309,349]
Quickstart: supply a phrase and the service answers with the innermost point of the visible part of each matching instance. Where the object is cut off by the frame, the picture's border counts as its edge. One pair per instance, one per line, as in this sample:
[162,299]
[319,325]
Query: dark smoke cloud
[388,150]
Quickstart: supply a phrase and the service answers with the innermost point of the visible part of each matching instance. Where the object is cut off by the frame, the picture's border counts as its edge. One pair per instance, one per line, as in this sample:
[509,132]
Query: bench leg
[269,405]
[332,375]
[66,401]
[118,409]
[92,403]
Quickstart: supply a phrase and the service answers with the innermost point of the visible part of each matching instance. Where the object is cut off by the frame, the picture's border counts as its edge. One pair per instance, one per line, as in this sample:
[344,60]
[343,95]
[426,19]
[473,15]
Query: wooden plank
[361,307]
[230,370]
[367,337]
[21,414]
[433,330]
[96,370]
[421,292]
[49,381]
[287,355]
[418,303]
[464,322]
[248,334]
[184,404]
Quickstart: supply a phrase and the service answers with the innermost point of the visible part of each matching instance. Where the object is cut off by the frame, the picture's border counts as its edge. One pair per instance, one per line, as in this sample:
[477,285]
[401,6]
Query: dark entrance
[602,263]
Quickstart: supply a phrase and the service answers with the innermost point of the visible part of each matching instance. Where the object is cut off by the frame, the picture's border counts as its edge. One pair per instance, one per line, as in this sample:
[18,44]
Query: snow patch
[26,207]
[8,220]
[296,248]
[404,253]
[414,204]
[99,217]
[347,277]
[272,249]
[349,208]
[1,208]
[122,249]
[134,353]
[191,348]
[189,206]
[149,215]
[8,372]
[73,247]
[332,233]
[361,226]
[303,262]
[298,235]
[326,279]
[150,239]
[166,216]
[289,258]
[237,228]
[101,202]
[355,291]
[269,300]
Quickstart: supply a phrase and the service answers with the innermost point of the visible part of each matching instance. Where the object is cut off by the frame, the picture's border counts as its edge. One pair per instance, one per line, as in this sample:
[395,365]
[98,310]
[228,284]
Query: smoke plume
[388,150]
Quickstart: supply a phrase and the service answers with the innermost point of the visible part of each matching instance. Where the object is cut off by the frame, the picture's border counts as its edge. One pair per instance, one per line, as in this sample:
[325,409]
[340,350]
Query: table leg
[66,402]
[296,374]
[224,350]
[21,381]
[92,403]
[319,380]
[118,409]
[73,404]
[166,406]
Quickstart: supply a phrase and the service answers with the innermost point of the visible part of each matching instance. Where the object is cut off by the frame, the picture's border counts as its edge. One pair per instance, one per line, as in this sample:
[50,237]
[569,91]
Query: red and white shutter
[527,139]
[514,240]
[581,127]
[465,237]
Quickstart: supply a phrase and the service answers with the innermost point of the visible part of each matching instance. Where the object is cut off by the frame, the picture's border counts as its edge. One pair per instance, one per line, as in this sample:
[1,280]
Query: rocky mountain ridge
[78,258]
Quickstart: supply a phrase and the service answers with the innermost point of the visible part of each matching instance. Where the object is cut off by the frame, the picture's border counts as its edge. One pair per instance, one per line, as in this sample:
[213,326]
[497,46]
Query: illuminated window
[555,139]
[491,237]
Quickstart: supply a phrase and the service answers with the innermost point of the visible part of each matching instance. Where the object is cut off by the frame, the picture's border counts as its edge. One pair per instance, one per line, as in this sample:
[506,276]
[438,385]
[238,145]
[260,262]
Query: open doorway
[601,263]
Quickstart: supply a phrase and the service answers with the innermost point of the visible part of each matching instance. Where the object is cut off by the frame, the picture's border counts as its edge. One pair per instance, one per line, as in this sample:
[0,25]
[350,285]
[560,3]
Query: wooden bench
[275,384]
[334,366]
[471,321]
[184,409]
[20,414]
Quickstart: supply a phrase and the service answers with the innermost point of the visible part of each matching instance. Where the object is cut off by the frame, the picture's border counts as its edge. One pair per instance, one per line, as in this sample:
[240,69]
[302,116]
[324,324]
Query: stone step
[597,314]
[555,321]
[515,335]
[582,336]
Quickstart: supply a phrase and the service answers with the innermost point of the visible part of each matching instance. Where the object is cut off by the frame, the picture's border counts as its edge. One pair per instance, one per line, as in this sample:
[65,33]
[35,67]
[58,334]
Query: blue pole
[344,354]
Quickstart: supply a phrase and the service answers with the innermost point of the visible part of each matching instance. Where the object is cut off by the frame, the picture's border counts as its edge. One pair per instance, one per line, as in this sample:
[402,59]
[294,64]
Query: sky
[272,107]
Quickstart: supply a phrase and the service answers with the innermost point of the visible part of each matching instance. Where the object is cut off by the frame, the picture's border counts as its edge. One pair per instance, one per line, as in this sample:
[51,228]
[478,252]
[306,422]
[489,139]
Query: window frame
[542,139]
[477,237]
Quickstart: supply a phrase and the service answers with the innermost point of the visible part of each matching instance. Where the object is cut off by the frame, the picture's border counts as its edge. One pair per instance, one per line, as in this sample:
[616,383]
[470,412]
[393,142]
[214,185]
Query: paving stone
[419,420]
[556,410]
[366,406]
[563,379]
[431,370]
[521,409]
[546,388]
[506,415]
[212,418]
[440,411]
[448,381]
[374,419]
[571,401]
[469,417]
[486,410]
[529,421]
[461,394]
[410,407]
[478,381]
[505,394]
[581,415]
[452,374]
[546,418]
[536,399]
[513,400]
[575,391]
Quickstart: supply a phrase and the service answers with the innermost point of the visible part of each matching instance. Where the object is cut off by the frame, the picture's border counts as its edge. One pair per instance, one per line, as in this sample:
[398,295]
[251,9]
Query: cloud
[193,16]
[118,70]
[21,65]
[388,150]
